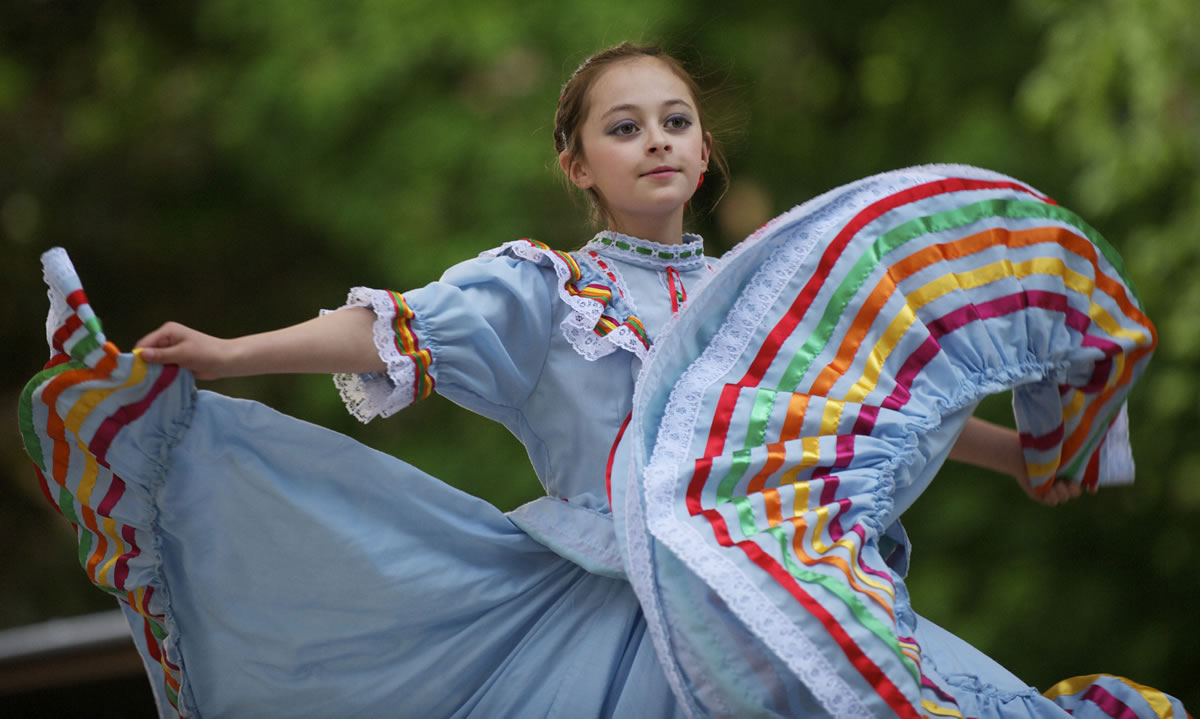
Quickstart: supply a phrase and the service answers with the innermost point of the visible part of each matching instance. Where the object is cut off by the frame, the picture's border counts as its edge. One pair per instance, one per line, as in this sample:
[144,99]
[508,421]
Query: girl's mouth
[660,171]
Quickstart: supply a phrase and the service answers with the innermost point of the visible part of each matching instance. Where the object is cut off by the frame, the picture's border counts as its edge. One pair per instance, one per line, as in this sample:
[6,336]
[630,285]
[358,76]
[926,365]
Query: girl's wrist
[236,357]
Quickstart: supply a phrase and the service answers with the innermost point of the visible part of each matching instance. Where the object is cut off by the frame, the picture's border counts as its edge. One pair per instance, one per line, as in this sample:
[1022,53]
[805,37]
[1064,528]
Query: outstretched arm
[340,341]
[997,448]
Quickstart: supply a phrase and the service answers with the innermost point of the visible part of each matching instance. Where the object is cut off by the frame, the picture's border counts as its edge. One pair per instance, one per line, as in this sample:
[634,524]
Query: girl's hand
[1061,490]
[206,356]
[997,448]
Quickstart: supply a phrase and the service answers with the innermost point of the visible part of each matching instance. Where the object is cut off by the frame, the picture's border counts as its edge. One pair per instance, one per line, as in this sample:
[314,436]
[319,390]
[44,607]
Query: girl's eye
[624,129]
[677,122]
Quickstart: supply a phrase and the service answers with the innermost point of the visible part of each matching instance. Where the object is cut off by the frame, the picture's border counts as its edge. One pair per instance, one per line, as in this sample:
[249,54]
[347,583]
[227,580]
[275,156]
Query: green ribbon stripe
[81,349]
[907,232]
[848,596]
[760,414]
[93,324]
[66,502]
[33,446]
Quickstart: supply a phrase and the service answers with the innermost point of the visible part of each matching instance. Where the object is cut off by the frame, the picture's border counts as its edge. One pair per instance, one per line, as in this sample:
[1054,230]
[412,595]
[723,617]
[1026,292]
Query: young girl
[270,567]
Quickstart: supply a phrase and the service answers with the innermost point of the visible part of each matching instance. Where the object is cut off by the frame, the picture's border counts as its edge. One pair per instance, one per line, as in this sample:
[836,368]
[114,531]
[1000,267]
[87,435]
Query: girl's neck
[665,230]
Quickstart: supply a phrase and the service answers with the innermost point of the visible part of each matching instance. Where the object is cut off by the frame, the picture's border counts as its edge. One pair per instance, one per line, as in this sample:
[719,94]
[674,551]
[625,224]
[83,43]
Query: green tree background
[237,164]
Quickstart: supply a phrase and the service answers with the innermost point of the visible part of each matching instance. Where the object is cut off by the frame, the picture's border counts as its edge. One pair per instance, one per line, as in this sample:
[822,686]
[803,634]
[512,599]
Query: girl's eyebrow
[629,106]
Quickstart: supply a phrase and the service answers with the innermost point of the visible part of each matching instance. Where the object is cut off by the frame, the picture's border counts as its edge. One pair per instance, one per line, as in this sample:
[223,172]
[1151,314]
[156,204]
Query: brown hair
[573,105]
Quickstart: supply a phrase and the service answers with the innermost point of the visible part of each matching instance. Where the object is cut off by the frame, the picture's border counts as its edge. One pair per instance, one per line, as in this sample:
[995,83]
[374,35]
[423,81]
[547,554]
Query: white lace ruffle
[578,327]
[377,394]
[665,474]
[56,268]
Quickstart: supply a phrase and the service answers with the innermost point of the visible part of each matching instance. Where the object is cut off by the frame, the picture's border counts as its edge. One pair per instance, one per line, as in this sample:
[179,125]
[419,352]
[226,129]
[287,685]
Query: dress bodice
[547,343]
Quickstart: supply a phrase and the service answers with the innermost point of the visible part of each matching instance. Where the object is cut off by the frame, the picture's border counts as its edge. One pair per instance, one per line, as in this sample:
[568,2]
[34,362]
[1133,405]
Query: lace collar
[656,256]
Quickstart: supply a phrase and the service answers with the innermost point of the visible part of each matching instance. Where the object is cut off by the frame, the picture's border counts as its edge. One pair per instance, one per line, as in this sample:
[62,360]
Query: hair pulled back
[573,102]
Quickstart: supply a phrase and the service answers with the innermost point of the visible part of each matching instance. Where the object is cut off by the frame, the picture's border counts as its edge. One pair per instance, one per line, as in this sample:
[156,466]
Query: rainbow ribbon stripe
[1106,696]
[86,394]
[914,304]
[408,345]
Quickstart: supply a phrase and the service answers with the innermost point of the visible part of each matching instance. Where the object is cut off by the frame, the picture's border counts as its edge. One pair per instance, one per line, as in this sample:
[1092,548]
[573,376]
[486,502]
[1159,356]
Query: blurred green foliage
[236,165]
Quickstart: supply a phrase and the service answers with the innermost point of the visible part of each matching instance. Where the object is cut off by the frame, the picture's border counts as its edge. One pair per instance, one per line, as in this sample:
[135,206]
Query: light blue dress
[271,567]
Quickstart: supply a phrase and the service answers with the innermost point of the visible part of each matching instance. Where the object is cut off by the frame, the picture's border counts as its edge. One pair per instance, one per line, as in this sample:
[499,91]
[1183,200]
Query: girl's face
[642,148]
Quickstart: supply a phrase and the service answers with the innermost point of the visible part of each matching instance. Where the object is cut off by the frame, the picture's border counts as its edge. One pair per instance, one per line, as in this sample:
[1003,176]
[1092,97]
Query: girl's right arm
[341,341]
[997,448]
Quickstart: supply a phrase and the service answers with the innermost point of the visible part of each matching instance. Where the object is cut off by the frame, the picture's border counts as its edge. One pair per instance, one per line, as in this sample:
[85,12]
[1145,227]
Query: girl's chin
[665,199]
[656,210]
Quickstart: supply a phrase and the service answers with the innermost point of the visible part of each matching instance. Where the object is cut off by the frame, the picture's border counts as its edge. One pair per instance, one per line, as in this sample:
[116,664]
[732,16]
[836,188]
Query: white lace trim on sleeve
[378,394]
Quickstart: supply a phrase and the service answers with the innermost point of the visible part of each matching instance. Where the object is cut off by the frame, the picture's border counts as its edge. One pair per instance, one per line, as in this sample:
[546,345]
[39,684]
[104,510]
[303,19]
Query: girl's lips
[662,171]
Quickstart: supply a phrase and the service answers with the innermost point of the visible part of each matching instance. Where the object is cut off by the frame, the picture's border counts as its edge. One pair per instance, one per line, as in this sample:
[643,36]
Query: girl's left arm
[997,448]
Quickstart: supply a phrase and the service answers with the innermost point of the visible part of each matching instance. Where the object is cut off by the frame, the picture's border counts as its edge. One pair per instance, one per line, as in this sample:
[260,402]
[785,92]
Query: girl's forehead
[641,82]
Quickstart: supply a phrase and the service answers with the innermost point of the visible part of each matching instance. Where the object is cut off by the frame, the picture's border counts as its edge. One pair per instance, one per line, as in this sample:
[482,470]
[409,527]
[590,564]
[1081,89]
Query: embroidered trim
[656,256]
[595,328]
[408,377]
[591,257]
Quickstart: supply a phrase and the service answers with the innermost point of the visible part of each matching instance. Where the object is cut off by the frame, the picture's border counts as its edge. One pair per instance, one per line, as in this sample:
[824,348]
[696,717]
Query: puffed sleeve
[478,336]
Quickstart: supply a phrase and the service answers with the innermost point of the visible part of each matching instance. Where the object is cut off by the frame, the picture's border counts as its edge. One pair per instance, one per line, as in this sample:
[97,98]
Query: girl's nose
[656,141]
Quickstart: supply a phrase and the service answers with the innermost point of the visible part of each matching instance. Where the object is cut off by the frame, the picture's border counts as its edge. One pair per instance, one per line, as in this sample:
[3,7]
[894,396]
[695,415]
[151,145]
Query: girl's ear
[706,149]
[576,170]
